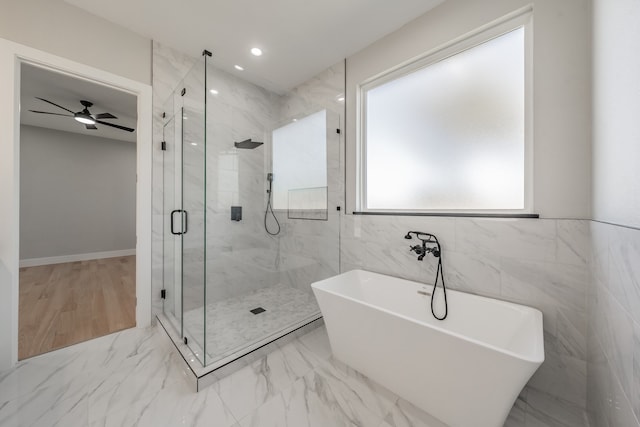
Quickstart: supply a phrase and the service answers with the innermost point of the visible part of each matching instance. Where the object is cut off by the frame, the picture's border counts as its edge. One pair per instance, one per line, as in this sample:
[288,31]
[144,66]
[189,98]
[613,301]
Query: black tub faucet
[421,250]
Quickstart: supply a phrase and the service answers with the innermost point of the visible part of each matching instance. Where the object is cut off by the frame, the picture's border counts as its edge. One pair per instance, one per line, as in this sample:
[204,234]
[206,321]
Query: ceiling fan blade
[55,114]
[53,103]
[90,126]
[115,126]
[104,116]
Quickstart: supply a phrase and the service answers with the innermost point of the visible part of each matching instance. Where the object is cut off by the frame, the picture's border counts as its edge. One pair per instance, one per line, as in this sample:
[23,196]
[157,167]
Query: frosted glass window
[300,163]
[451,135]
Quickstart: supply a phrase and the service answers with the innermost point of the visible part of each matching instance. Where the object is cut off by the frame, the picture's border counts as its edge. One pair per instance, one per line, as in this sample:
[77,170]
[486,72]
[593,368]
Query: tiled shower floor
[231,325]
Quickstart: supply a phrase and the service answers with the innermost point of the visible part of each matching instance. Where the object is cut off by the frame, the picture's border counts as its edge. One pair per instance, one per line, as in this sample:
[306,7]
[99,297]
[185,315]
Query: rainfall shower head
[247,143]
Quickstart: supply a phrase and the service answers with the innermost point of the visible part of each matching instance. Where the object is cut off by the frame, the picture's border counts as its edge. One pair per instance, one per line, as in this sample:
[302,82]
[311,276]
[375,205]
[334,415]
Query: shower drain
[257,310]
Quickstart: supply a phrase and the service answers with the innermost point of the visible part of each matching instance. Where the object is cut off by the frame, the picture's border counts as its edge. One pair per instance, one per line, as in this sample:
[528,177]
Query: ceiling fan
[85,117]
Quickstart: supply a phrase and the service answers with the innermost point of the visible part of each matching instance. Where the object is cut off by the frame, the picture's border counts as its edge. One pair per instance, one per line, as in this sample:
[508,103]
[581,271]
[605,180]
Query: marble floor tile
[51,406]
[355,387]
[298,359]
[517,416]
[317,342]
[172,406]
[121,390]
[249,388]
[404,414]
[546,410]
[133,378]
[119,351]
[252,386]
[312,402]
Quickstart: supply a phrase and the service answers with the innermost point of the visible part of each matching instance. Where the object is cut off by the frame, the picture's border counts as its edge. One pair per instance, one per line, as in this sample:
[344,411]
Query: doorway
[77,278]
[12,57]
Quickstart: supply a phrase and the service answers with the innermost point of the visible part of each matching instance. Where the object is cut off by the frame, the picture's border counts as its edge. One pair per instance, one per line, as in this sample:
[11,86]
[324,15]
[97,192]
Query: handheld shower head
[425,237]
[270,207]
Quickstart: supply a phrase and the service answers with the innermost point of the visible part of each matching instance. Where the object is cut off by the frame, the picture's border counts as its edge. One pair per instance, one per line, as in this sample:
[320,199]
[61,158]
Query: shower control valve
[419,250]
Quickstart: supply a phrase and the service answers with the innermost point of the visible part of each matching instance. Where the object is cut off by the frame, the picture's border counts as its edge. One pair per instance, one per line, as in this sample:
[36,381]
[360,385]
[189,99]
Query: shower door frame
[183,257]
[172,295]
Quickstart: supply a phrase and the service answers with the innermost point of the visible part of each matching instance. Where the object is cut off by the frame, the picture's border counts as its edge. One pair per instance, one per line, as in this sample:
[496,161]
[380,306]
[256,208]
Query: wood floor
[63,304]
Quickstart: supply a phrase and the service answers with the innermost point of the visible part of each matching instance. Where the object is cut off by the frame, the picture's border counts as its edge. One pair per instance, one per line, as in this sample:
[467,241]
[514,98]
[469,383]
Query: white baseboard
[33,262]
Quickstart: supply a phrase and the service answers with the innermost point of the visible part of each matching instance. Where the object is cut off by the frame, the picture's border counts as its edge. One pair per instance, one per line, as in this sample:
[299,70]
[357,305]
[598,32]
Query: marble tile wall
[310,249]
[613,380]
[541,263]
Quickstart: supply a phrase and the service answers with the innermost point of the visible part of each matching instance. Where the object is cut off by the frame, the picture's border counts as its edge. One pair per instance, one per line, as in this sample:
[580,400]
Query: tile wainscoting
[543,263]
[613,380]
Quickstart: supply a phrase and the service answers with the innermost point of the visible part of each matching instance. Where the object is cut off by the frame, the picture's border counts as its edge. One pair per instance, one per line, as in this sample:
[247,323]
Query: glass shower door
[171,200]
[193,213]
[183,179]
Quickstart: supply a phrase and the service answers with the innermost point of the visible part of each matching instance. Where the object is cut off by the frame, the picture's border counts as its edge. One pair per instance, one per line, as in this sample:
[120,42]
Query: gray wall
[613,379]
[77,194]
[616,104]
[67,31]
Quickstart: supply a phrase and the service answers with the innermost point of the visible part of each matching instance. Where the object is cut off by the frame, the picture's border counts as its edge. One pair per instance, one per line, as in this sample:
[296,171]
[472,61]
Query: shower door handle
[184,227]
[186,217]
[173,231]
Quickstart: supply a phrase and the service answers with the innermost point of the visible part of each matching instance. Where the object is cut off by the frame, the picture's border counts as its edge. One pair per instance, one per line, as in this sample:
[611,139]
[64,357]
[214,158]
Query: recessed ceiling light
[295,120]
[256,51]
[341,99]
[194,143]
[239,68]
[213,92]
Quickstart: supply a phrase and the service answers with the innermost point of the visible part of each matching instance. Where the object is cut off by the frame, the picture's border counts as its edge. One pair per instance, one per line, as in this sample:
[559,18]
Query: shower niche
[231,285]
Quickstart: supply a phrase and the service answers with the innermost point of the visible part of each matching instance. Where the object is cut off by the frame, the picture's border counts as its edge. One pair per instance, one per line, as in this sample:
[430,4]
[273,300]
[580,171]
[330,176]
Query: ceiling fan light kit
[85,117]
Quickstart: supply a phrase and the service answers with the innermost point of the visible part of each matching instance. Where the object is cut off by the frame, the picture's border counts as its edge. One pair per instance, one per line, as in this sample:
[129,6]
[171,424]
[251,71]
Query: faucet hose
[270,208]
[439,272]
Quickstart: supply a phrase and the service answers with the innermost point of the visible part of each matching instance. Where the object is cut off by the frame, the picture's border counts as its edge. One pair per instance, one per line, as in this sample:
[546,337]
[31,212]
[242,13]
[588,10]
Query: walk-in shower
[229,286]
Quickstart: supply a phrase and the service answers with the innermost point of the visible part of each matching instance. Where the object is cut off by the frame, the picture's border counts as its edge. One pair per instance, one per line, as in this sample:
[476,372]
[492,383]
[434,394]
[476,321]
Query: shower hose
[270,209]
[440,273]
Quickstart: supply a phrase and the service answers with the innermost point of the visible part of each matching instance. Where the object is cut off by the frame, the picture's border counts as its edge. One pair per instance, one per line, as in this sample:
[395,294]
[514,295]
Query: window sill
[452,214]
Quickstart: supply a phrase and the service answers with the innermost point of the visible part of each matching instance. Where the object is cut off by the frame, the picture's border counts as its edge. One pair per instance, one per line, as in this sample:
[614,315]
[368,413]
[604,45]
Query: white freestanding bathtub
[467,370]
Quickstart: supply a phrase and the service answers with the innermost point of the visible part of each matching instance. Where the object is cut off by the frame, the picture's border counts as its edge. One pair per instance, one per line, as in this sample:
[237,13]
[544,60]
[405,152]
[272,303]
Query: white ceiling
[67,91]
[299,38]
